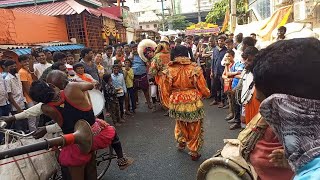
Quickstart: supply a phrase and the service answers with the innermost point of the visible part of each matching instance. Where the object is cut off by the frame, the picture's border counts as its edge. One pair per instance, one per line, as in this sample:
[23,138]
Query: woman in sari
[186,86]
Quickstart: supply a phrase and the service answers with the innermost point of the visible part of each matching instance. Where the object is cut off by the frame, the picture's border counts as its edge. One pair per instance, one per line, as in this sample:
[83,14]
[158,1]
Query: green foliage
[219,9]
[177,22]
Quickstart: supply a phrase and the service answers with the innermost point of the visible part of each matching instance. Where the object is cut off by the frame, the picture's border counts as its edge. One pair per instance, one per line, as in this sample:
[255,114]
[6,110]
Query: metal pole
[59,141]
[199,13]
[163,29]
[233,17]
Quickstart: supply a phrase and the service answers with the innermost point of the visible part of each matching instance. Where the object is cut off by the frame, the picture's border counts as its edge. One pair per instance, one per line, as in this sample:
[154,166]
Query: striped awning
[23,51]
[68,7]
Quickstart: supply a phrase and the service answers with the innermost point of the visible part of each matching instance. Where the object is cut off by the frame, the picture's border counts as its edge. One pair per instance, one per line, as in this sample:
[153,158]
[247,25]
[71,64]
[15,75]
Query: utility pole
[199,13]
[233,17]
[162,5]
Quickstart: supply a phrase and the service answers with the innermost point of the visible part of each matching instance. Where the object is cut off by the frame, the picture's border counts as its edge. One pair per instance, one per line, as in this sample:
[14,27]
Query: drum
[97,101]
[220,168]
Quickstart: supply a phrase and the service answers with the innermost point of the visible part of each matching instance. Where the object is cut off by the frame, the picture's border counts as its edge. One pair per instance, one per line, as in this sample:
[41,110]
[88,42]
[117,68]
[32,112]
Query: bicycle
[103,156]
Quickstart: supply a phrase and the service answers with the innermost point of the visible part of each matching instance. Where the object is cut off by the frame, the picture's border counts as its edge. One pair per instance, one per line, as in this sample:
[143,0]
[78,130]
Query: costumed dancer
[158,64]
[146,49]
[186,86]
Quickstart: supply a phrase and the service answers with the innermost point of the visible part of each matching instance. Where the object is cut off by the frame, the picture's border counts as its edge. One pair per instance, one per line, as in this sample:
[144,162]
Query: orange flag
[226,21]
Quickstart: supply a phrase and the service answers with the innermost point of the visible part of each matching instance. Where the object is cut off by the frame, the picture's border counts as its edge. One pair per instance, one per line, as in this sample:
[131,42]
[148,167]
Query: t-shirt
[14,87]
[39,68]
[25,76]
[237,67]
[92,70]
[3,93]
[129,76]
[139,67]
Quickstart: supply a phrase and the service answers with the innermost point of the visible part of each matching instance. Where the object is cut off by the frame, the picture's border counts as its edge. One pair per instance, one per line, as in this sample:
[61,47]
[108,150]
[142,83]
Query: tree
[219,9]
[177,22]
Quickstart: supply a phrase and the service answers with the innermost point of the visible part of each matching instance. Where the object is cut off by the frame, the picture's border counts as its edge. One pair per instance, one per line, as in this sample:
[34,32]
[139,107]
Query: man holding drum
[67,107]
[285,80]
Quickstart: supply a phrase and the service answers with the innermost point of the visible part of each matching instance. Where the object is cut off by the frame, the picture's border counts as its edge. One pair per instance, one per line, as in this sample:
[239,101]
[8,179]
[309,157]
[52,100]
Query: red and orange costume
[158,64]
[186,86]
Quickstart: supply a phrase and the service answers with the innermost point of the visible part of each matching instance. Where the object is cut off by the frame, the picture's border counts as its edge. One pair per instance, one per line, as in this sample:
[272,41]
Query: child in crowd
[153,93]
[112,103]
[119,63]
[228,82]
[80,75]
[119,84]
[98,61]
[129,77]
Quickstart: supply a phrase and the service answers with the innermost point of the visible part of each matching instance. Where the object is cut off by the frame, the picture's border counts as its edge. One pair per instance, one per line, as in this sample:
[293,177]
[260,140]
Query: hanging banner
[202,28]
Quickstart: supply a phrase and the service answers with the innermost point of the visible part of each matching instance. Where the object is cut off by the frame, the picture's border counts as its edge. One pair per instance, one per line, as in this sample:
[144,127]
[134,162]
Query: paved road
[148,137]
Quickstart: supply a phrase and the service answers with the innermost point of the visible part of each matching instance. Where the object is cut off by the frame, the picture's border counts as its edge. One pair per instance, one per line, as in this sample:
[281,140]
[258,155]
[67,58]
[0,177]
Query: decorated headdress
[145,46]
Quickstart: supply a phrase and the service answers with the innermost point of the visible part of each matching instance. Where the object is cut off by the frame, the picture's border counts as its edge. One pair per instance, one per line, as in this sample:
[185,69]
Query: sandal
[181,146]
[124,162]
[195,156]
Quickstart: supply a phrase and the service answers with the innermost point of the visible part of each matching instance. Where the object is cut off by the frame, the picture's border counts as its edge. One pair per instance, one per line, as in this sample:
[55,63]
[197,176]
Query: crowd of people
[177,73]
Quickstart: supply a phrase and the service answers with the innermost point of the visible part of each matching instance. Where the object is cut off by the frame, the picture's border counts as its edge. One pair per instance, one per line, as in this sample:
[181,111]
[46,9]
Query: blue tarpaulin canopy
[69,47]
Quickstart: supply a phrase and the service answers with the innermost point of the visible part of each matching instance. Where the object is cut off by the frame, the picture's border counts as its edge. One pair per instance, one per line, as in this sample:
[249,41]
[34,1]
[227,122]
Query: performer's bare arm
[84,86]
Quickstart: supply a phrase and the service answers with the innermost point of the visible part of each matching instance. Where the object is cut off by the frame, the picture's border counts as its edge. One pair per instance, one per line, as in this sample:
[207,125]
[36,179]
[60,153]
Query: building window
[147,26]
[137,14]
[140,27]
[155,25]
[136,1]
[142,12]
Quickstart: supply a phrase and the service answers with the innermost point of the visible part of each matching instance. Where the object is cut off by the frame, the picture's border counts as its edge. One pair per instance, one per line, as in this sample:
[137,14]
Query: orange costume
[251,108]
[186,85]
[158,64]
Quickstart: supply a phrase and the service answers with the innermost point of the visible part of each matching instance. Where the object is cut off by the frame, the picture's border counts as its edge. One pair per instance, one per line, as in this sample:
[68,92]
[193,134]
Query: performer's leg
[123,162]
[91,168]
[77,172]
[180,134]
[195,141]
[116,145]
[147,96]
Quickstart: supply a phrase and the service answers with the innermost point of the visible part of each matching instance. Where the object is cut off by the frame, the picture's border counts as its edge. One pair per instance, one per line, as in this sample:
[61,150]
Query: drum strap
[255,131]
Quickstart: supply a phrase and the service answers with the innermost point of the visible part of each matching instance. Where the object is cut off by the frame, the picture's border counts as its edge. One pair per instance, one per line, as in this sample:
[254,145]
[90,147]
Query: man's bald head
[57,78]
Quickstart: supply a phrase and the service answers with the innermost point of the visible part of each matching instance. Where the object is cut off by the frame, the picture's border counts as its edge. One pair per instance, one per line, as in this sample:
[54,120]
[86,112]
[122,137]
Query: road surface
[148,138]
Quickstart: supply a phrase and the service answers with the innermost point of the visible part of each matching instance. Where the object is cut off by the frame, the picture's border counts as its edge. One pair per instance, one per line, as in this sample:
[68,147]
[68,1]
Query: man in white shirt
[42,65]
[107,62]
[5,106]
[15,93]
[35,111]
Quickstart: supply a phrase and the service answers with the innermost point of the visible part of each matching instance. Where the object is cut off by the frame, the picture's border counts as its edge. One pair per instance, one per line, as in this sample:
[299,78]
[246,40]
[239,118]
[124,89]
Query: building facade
[149,12]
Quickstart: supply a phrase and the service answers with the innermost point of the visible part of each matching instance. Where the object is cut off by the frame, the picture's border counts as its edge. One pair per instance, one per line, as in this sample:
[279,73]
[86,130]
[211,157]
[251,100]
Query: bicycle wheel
[103,160]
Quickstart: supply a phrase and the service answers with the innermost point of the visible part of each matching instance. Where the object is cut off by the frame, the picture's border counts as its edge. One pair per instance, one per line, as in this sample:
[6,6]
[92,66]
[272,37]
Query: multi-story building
[191,6]
[149,12]
[205,5]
